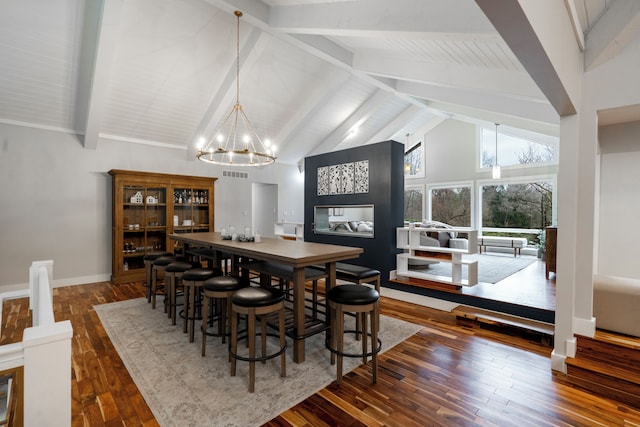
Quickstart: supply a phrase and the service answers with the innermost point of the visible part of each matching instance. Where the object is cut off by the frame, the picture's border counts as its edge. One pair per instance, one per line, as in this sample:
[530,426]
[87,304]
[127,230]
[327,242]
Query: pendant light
[236,142]
[495,172]
[407,164]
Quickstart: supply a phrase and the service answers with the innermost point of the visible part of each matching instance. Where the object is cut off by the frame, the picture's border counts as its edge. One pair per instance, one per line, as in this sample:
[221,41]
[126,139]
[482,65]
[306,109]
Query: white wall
[450,152]
[619,219]
[265,208]
[56,199]
[614,85]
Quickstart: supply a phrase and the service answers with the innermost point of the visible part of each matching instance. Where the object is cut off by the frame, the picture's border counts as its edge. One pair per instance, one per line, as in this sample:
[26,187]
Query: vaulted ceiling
[162,72]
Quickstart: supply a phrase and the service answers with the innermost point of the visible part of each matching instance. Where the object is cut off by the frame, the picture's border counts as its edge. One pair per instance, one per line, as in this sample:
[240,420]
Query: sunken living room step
[609,365]
[544,331]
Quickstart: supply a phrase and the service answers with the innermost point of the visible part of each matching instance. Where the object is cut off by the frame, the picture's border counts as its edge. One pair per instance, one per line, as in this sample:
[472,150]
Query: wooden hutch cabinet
[147,207]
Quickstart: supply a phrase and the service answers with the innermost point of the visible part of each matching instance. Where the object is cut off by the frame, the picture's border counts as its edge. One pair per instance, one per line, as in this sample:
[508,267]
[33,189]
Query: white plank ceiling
[162,72]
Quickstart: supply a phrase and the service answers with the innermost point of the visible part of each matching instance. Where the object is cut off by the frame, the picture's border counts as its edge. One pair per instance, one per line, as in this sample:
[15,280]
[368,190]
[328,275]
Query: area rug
[492,268]
[182,388]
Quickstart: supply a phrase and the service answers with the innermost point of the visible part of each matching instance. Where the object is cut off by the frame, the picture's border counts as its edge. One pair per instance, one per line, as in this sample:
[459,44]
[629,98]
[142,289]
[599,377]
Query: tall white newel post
[47,357]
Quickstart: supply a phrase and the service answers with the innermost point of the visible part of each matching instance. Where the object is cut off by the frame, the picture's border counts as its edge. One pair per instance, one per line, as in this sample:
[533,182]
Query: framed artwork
[323,181]
[334,179]
[345,178]
[362,177]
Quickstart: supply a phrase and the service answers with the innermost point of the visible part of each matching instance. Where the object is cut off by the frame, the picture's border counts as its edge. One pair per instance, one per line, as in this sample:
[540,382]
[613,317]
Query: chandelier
[236,142]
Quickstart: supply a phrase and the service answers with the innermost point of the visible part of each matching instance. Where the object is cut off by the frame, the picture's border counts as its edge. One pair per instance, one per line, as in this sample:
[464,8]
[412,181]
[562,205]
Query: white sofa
[616,304]
[517,243]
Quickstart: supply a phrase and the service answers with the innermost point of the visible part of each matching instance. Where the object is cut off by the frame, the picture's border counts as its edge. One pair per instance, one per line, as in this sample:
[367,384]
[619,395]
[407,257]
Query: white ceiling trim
[141,141]
[33,125]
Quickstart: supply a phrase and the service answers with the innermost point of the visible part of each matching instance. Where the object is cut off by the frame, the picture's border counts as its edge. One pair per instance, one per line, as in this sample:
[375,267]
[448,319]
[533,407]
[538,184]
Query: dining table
[297,254]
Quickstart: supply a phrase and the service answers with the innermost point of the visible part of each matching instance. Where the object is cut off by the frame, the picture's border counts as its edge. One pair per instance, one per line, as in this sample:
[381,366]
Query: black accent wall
[386,193]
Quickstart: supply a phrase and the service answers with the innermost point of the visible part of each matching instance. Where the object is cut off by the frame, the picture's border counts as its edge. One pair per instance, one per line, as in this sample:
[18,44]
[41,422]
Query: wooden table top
[292,252]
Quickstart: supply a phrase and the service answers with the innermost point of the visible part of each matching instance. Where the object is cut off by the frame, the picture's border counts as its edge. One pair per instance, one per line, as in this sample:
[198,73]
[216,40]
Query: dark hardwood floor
[450,373]
[527,287]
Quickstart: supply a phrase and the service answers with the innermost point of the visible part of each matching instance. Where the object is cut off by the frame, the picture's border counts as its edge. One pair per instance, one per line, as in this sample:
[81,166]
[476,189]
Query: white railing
[534,231]
[45,354]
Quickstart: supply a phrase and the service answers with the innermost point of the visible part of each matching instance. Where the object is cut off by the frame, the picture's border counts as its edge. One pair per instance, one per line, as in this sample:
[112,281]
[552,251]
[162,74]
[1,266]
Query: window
[413,197]
[413,164]
[451,205]
[515,150]
[526,205]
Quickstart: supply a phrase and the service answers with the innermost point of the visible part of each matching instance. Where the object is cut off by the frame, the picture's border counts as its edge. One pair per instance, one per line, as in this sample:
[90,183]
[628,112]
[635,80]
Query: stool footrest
[261,358]
[376,350]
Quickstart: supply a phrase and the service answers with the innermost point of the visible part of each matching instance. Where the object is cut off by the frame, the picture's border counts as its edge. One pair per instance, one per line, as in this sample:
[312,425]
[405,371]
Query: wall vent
[234,174]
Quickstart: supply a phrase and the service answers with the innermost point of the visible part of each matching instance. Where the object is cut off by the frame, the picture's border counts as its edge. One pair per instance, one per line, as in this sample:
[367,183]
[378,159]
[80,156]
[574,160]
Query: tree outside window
[413,197]
[512,150]
[413,161]
[527,205]
[451,205]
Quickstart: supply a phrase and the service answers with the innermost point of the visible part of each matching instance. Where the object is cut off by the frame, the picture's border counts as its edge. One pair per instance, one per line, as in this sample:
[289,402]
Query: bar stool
[218,291]
[364,302]
[159,264]
[148,266]
[252,302]
[173,272]
[192,281]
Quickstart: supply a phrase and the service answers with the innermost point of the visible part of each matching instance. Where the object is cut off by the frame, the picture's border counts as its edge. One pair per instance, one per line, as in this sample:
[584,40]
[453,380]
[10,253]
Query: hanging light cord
[238,15]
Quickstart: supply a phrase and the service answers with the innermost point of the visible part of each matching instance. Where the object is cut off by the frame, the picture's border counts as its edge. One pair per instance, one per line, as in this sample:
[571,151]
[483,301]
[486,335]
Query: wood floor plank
[451,373]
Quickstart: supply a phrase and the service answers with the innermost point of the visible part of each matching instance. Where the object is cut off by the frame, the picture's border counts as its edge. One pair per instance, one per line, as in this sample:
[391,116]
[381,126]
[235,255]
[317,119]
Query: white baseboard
[584,327]
[58,283]
[558,362]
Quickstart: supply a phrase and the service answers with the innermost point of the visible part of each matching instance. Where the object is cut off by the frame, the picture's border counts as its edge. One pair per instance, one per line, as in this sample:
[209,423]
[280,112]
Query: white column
[564,341]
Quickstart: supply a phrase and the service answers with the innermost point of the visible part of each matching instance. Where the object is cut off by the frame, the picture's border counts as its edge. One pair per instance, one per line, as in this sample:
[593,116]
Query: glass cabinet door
[133,227]
[190,210]
[200,212]
[144,224]
[156,219]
